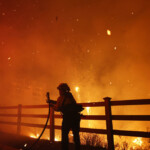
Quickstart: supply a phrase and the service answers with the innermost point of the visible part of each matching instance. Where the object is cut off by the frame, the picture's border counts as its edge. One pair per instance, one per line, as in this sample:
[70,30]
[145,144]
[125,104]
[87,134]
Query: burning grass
[93,140]
[131,143]
[121,142]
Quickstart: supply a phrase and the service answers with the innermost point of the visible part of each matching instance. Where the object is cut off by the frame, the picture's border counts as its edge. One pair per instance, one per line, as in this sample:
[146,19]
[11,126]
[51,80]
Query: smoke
[43,43]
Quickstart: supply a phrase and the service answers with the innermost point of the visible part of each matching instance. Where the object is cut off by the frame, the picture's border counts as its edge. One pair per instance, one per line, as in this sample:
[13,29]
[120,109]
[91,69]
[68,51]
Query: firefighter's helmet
[64,87]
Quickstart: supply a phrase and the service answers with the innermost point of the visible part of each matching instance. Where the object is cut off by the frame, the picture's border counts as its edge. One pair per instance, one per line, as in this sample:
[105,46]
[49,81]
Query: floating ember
[108,32]
[77,89]
[115,48]
[9,58]
[25,145]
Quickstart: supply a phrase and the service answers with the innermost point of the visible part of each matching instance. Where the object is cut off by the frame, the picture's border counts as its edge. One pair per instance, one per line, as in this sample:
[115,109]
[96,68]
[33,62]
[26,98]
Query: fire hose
[49,102]
[77,108]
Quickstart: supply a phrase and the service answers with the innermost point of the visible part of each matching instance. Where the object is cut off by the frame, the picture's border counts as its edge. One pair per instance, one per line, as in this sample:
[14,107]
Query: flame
[34,136]
[138,141]
[88,110]
[77,89]
[57,139]
[108,32]
[37,135]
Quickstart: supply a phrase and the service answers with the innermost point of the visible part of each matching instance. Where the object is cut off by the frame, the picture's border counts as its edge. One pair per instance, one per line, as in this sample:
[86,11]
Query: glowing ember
[108,32]
[9,58]
[77,89]
[115,48]
[25,145]
[138,141]
[110,83]
[88,51]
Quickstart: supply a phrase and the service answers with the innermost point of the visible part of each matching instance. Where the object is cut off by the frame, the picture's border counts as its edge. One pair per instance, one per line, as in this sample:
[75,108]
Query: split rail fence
[108,117]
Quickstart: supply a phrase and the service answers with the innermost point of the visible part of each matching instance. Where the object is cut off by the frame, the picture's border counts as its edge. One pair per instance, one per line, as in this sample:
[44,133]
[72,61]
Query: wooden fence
[108,117]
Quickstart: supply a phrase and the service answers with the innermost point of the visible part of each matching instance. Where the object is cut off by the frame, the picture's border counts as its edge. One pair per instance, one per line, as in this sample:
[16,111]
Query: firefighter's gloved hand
[47,101]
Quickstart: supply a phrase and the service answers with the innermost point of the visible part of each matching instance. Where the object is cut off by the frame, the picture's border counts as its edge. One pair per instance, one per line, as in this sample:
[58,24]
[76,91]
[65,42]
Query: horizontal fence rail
[131,117]
[108,117]
[132,133]
[131,102]
[8,107]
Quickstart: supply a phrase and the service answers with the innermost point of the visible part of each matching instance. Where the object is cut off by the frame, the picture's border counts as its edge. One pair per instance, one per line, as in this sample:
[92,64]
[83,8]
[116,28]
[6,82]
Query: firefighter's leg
[76,129]
[65,131]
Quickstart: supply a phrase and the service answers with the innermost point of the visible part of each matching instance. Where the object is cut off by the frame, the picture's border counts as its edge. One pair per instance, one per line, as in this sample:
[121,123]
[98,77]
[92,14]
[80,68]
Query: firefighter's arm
[58,105]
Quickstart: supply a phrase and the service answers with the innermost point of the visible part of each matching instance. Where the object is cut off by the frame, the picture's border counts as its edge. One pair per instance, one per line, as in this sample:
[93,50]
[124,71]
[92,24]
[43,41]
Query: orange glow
[100,49]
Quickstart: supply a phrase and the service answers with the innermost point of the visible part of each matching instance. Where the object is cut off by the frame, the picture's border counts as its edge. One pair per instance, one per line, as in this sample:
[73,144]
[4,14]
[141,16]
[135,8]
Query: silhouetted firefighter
[71,115]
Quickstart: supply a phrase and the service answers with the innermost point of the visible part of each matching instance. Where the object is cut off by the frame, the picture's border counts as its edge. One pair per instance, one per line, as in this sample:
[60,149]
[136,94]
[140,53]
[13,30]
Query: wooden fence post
[109,125]
[19,119]
[52,133]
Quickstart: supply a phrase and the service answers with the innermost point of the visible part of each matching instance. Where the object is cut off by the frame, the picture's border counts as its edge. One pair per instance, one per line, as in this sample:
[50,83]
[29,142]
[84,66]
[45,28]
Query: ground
[21,142]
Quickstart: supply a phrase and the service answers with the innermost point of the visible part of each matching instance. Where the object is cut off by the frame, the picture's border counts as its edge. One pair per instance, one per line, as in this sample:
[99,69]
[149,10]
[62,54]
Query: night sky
[45,42]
